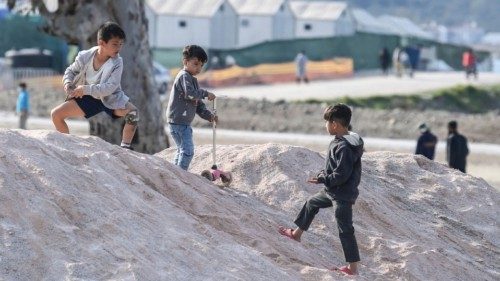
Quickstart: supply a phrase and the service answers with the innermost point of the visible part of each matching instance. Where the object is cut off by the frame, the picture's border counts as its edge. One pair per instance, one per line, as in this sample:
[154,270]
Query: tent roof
[404,26]
[257,7]
[317,10]
[195,8]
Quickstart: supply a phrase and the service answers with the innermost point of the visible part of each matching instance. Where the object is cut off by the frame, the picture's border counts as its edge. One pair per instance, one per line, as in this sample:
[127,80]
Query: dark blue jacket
[426,145]
[457,151]
[342,172]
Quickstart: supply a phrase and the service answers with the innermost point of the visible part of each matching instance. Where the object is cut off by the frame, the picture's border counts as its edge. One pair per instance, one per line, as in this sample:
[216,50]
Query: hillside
[78,208]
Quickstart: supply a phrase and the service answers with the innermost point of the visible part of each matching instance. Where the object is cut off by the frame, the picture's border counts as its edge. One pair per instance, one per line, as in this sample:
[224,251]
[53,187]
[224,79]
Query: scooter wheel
[226,178]
[208,175]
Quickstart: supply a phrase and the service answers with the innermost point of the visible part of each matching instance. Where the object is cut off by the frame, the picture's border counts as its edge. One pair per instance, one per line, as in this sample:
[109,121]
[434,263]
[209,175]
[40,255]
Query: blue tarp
[3,13]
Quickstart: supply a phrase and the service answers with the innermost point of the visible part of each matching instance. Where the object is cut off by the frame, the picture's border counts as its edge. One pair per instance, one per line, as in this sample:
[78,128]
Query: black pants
[343,215]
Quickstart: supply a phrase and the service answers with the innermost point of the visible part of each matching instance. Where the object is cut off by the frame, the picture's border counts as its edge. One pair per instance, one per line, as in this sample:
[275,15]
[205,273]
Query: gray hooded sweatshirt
[108,90]
[186,100]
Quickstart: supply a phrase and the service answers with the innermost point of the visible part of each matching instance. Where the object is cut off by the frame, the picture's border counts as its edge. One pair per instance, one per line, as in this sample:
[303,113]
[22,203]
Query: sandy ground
[79,208]
[484,160]
[359,87]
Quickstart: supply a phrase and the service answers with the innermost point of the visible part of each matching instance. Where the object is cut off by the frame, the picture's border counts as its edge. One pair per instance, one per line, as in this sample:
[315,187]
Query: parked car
[162,78]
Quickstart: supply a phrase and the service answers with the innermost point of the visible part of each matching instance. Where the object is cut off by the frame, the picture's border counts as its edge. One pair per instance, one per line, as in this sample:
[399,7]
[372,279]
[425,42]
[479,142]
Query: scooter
[215,173]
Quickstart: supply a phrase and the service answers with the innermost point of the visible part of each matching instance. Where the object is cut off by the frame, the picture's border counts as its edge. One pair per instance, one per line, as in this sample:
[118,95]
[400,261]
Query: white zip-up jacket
[108,90]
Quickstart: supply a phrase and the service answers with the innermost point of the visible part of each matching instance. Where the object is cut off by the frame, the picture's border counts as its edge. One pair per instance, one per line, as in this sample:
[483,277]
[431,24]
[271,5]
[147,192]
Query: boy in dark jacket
[340,178]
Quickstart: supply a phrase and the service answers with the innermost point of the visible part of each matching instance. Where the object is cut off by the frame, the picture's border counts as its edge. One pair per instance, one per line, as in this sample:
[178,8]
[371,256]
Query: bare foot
[288,232]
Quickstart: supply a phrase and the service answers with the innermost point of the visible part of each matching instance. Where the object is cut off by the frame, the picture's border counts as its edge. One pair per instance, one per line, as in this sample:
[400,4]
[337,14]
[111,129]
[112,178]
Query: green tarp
[363,48]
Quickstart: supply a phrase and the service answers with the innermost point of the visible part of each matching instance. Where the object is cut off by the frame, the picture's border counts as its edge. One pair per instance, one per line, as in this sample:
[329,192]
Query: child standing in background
[186,100]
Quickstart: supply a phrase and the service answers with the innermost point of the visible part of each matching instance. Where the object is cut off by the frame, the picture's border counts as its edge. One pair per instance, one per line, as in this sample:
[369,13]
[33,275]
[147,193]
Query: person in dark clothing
[385,60]
[426,144]
[456,148]
[413,58]
[340,180]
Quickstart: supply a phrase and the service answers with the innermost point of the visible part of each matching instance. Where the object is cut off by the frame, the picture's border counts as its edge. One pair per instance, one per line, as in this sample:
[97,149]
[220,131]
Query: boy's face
[331,127]
[112,47]
[334,128]
[193,65]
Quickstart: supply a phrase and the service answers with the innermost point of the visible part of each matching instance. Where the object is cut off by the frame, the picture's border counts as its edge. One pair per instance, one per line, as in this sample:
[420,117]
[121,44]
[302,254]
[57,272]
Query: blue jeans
[183,137]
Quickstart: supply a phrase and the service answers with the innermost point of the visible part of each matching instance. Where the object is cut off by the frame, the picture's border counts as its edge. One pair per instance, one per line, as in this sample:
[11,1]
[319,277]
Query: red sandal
[343,269]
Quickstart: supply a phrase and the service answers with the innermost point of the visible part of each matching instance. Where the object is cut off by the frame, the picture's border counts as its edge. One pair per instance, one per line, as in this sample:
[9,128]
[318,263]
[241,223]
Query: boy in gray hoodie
[186,101]
[340,180]
[92,85]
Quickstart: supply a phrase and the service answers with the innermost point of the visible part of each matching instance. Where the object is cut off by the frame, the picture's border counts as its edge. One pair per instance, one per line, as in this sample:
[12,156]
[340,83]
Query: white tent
[262,20]
[176,23]
[321,19]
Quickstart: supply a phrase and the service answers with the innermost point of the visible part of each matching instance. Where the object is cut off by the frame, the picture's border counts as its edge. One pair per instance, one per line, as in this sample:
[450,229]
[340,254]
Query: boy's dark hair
[340,113]
[109,30]
[194,51]
[452,125]
[22,85]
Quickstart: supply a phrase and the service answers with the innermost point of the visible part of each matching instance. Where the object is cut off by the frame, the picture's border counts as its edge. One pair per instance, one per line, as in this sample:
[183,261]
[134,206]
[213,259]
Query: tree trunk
[77,21]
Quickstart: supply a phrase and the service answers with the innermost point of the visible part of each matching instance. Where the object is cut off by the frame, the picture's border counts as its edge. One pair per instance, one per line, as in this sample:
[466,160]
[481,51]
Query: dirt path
[358,87]
[284,117]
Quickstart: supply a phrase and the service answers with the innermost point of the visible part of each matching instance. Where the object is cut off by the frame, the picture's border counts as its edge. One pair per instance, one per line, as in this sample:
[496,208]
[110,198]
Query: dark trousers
[23,117]
[343,215]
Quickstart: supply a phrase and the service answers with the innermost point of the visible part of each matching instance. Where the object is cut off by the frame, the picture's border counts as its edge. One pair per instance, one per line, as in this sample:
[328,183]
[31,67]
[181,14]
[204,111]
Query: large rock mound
[77,208]
[415,219]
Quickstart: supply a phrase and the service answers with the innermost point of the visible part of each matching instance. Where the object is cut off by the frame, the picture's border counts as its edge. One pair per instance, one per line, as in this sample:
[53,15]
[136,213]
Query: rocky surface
[78,208]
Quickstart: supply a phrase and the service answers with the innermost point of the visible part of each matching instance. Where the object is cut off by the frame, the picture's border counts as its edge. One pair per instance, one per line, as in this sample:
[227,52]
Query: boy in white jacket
[92,85]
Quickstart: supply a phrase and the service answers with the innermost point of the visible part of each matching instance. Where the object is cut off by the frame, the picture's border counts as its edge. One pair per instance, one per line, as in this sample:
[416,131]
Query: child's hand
[67,89]
[77,93]
[312,180]
[214,118]
[320,178]
[210,96]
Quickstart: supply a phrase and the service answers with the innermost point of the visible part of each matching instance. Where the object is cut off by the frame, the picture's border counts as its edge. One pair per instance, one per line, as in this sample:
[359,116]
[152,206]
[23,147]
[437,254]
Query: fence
[363,48]
[25,73]
[273,73]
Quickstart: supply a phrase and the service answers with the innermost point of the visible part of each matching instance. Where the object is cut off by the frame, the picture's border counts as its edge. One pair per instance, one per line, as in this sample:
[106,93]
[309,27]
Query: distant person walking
[400,60]
[456,148]
[426,143]
[385,60]
[413,53]
[469,63]
[23,105]
[301,62]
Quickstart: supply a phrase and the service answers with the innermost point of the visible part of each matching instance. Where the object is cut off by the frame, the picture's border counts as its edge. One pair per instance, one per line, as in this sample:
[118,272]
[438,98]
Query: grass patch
[466,99]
